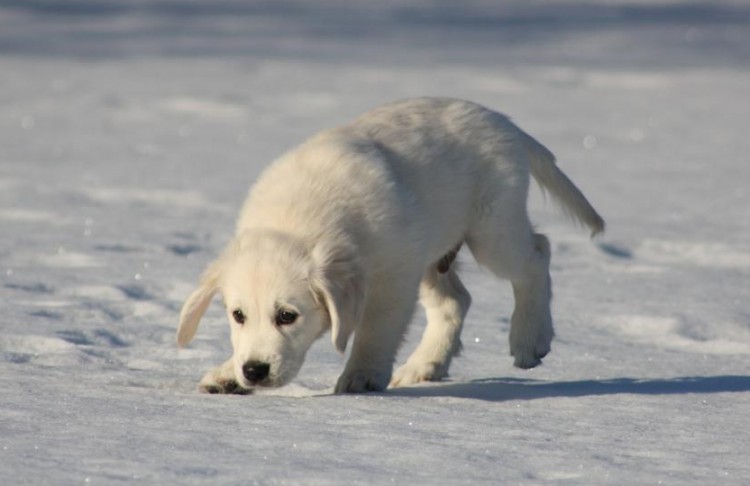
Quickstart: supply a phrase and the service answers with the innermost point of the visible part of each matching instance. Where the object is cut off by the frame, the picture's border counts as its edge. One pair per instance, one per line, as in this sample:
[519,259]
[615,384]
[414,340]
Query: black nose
[255,371]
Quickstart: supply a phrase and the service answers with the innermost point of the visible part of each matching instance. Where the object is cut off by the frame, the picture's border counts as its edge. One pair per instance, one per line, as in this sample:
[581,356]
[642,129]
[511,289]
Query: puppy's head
[280,296]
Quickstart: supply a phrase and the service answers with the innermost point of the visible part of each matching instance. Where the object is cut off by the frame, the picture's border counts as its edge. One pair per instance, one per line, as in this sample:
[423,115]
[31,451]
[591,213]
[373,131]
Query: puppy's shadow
[502,389]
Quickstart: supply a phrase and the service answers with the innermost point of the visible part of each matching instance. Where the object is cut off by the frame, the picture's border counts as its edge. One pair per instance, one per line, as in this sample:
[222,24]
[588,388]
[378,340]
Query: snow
[130,131]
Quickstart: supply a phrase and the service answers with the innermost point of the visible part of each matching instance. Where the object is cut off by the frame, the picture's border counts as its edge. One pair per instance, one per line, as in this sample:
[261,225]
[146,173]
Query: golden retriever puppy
[346,232]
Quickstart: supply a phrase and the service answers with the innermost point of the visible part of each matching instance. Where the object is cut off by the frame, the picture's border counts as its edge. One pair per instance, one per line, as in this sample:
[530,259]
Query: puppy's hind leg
[514,252]
[531,329]
[446,302]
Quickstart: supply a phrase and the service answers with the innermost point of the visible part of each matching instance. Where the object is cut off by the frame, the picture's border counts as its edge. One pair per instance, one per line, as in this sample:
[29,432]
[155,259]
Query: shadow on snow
[502,389]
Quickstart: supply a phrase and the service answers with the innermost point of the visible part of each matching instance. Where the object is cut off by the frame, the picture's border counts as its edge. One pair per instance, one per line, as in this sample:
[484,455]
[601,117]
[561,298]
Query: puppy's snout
[256,371]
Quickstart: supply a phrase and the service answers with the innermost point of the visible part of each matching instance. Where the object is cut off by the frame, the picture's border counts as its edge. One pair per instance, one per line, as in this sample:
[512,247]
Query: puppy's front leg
[376,343]
[446,302]
[221,380]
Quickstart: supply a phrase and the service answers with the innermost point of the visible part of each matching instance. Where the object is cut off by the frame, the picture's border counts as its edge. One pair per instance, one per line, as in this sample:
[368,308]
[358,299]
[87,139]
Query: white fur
[347,230]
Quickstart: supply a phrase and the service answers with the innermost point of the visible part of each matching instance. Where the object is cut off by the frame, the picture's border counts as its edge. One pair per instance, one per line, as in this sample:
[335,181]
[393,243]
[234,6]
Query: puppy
[347,231]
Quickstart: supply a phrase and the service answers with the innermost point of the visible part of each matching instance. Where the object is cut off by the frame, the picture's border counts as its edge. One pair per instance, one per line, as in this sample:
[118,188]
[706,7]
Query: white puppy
[346,231]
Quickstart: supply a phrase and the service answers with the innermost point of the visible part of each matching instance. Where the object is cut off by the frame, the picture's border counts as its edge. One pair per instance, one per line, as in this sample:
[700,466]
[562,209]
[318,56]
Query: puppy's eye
[238,316]
[285,317]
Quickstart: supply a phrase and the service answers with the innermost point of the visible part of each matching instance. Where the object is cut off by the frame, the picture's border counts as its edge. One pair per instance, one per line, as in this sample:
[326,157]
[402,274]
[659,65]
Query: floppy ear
[195,305]
[338,280]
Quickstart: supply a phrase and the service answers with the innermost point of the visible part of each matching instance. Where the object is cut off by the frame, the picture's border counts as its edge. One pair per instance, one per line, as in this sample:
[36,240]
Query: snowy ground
[129,132]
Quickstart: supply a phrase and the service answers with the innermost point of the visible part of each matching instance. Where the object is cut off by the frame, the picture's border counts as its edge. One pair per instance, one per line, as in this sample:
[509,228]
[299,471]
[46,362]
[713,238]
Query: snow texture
[130,131]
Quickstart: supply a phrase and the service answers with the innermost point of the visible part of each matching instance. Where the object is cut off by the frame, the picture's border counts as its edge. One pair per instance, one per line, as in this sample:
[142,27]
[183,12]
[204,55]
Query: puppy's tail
[552,179]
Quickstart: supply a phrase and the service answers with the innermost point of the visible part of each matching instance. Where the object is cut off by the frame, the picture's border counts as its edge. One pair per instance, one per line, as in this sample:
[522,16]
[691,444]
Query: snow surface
[130,131]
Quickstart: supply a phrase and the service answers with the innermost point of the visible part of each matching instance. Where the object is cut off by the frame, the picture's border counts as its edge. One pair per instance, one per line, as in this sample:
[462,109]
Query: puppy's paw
[228,387]
[221,380]
[528,348]
[412,373]
[361,381]
[530,357]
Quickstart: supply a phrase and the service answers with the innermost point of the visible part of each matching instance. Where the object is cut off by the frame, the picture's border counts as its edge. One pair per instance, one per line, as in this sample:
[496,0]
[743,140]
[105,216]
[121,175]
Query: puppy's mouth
[269,382]
[272,381]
